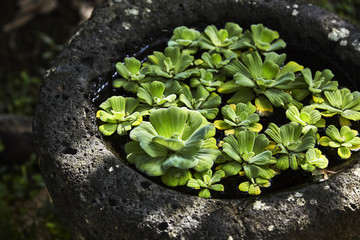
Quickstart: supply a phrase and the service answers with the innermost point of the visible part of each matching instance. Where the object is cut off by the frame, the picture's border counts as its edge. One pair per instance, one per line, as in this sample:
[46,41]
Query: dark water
[287,179]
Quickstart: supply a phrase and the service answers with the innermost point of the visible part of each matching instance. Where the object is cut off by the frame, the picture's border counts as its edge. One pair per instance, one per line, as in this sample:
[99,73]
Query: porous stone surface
[100,197]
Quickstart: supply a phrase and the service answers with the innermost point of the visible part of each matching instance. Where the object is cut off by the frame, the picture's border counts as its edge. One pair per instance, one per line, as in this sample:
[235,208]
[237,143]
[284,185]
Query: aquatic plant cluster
[193,112]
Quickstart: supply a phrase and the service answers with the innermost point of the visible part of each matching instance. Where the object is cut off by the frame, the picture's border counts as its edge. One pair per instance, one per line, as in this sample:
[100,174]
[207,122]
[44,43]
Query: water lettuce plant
[341,102]
[246,151]
[263,38]
[227,39]
[132,74]
[201,100]
[264,80]
[214,62]
[344,140]
[290,144]
[317,85]
[239,117]
[171,64]
[186,39]
[313,160]
[308,117]
[173,141]
[272,116]
[118,114]
[157,94]
[207,181]
[210,81]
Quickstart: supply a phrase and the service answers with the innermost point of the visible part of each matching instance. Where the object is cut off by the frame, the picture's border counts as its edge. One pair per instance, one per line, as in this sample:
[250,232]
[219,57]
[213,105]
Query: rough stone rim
[67,155]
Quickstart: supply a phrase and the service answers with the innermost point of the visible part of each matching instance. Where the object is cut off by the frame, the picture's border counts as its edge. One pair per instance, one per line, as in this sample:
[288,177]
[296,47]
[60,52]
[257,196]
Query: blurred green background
[28,43]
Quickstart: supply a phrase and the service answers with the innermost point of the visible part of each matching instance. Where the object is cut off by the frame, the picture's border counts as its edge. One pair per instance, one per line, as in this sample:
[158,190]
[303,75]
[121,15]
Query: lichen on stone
[337,34]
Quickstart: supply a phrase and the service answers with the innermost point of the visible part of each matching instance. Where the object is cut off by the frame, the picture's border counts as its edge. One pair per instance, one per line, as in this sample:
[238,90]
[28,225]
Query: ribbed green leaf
[211,32]
[231,168]
[269,70]
[277,97]
[122,70]
[344,152]
[294,115]
[123,127]
[231,147]
[254,190]
[261,158]
[117,103]
[106,117]
[315,157]
[108,128]
[273,132]
[243,95]
[169,121]
[246,141]
[234,67]
[283,162]
[145,95]
[334,133]
[347,133]
[251,171]
[334,98]
[176,177]
[179,161]
[194,122]
[254,64]
[308,141]
[193,183]
[293,162]
[133,65]
[243,81]
[261,142]
[266,172]
[204,193]
[217,187]
[150,166]
[244,186]
[290,67]
[350,114]
[133,151]
[206,158]
[169,143]
[307,76]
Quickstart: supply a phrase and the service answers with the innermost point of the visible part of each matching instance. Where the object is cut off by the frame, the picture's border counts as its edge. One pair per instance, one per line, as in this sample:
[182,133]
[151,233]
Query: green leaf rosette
[239,117]
[172,64]
[308,117]
[118,115]
[201,100]
[224,40]
[157,94]
[266,81]
[290,144]
[344,140]
[341,102]
[246,152]
[314,159]
[186,39]
[317,85]
[174,141]
[209,81]
[263,39]
[206,181]
[132,74]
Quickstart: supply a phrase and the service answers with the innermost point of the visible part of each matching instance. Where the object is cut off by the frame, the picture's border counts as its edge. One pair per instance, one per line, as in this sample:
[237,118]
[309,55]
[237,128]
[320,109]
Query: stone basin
[100,197]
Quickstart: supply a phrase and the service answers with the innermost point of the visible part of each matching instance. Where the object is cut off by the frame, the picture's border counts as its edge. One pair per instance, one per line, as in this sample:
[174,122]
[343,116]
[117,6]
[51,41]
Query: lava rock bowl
[100,197]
